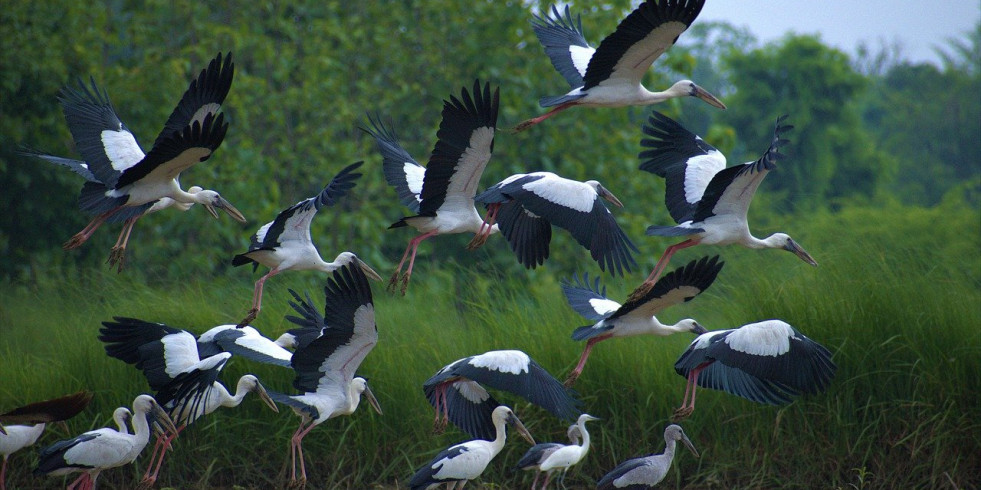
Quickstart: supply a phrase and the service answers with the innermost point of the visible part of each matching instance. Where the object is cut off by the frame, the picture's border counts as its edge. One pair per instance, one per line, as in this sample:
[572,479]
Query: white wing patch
[121,149]
[260,235]
[769,338]
[505,361]
[699,173]
[202,112]
[364,317]
[414,175]
[180,353]
[604,306]
[472,162]
[563,192]
[472,391]
[580,58]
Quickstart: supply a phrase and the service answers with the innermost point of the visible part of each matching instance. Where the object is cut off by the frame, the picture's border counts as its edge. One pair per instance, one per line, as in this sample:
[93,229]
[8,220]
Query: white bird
[566,456]
[285,243]
[707,200]
[766,362]
[101,449]
[460,463]
[127,179]
[636,316]
[610,76]
[325,367]
[645,472]
[442,194]
[526,205]
[537,454]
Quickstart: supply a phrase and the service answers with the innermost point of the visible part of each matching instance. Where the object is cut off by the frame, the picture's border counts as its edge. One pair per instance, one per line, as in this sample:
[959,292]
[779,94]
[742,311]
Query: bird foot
[682,414]
[254,312]
[571,380]
[117,257]
[146,483]
[393,283]
[298,483]
[640,292]
[478,241]
[405,284]
[439,426]
[74,242]
[523,125]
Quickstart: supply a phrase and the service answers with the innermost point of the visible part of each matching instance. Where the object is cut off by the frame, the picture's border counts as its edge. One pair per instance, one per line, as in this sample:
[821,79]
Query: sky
[919,26]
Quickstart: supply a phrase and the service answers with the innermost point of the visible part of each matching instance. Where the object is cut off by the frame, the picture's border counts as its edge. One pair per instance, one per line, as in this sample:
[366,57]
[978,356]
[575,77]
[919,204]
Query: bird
[537,454]
[310,323]
[645,472]
[610,75]
[102,449]
[566,456]
[442,193]
[636,316]
[129,181]
[325,367]
[766,362]
[285,244]
[526,205]
[457,394]
[31,420]
[708,200]
[460,463]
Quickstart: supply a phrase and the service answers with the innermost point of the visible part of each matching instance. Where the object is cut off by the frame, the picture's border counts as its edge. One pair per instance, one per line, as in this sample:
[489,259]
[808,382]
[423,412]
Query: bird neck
[669,449]
[771,241]
[182,196]
[340,261]
[228,400]
[141,427]
[498,443]
[353,398]
[585,437]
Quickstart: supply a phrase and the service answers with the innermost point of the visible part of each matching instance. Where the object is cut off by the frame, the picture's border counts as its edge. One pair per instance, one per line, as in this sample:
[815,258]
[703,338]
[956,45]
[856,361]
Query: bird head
[689,88]
[211,201]
[785,242]
[505,414]
[348,257]
[692,326]
[674,433]
[145,404]
[604,193]
[361,387]
[251,383]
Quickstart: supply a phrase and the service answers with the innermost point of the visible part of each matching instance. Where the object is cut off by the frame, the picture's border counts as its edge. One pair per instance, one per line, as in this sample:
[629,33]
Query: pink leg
[574,375]
[535,120]
[299,449]
[293,445]
[414,246]
[534,483]
[165,447]
[257,297]
[548,476]
[687,407]
[153,456]
[663,261]
[485,227]
[3,473]
[81,480]
[81,237]
[119,249]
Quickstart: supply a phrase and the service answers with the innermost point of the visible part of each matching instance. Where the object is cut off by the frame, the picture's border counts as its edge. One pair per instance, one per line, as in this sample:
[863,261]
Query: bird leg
[574,375]
[257,298]
[686,409]
[3,473]
[298,441]
[442,409]
[413,246]
[485,227]
[534,483]
[81,480]
[535,120]
[118,252]
[81,237]
[548,476]
[663,262]
[163,442]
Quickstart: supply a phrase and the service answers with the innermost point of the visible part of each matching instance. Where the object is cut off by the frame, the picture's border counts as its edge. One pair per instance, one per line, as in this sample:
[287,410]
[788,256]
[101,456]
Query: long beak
[707,97]
[792,246]
[518,426]
[163,419]
[224,205]
[372,400]
[689,445]
[2,430]
[606,194]
[368,271]
[699,329]
[261,391]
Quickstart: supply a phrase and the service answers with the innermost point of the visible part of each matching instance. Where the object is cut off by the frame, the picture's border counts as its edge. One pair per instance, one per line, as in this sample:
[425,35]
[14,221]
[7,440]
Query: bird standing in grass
[645,472]
[565,457]
[537,454]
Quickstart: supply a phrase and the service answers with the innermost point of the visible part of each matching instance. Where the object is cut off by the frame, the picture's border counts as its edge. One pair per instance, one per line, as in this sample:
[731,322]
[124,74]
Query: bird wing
[163,360]
[684,159]
[625,55]
[468,405]
[633,473]
[536,454]
[78,166]
[52,458]
[564,44]
[590,301]
[203,96]
[311,322]
[185,397]
[402,172]
[676,287]
[465,140]
[179,152]
[124,337]
[250,344]
[53,410]
[528,235]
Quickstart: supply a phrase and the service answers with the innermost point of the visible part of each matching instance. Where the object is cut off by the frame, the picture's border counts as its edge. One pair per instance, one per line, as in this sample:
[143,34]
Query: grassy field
[896,298]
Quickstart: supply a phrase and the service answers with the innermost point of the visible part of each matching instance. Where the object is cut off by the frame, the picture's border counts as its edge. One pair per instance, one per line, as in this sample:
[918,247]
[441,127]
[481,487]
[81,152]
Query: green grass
[898,306]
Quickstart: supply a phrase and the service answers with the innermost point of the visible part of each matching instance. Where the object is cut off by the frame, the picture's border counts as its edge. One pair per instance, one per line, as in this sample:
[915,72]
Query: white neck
[498,443]
[585,437]
[243,387]
[353,398]
[669,449]
[141,428]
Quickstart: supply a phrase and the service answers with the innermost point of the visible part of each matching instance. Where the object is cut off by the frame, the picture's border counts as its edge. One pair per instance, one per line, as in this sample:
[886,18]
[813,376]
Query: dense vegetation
[882,185]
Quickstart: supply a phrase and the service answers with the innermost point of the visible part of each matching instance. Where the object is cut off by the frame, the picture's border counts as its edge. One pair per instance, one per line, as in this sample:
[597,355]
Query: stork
[766,362]
[537,454]
[707,200]
[442,194]
[460,463]
[526,205]
[610,76]
[457,394]
[566,456]
[285,244]
[645,472]
[129,181]
[636,316]
[311,323]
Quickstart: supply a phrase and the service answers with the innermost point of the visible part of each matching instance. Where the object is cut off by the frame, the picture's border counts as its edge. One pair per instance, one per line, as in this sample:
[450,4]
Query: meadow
[896,298]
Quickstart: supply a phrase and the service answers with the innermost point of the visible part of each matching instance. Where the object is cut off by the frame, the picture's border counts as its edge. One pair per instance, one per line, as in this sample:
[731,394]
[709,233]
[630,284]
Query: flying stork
[442,193]
[537,454]
[460,463]
[610,76]
[645,472]
[766,362]
[285,244]
[707,200]
[636,316]
[129,181]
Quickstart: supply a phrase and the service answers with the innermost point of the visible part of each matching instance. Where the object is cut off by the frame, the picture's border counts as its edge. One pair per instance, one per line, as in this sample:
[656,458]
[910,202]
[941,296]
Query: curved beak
[368,271]
[606,194]
[707,97]
[264,396]
[372,400]
[699,329]
[792,246]
[163,419]
[518,426]
[224,205]
[689,445]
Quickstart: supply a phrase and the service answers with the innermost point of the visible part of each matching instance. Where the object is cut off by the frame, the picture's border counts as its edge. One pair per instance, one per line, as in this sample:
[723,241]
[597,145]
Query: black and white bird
[285,243]
[325,367]
[458,395]
[566,456]
[129,181]
[525,206]
[636,316]
[102,449]
[460,463]
[442,193]
[611,75]
[537,454]
[766,362]
[645,472]
[707,200]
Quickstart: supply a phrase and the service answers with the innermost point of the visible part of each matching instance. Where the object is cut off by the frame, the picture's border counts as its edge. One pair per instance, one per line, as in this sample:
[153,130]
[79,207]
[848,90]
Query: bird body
[15,438]
[645,472]
[568,455]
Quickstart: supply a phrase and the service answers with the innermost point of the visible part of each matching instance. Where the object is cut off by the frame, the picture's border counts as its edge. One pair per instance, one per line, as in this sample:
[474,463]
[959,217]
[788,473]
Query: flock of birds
[768,362]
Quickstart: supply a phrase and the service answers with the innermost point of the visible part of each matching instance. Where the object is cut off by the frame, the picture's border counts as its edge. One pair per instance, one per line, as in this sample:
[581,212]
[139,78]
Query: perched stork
[442,194]
[765,362]
[285,244]
[457,394]
[34,417]
[636,317]
[526,205]
[537,454]
[647,471]
[566,456]
[325,367]
[707,200]
[128,181]
[610,76]
[101,449]
[460,463]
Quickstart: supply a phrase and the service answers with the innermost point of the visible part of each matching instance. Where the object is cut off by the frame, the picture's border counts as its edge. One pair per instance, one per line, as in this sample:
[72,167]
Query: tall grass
[896,298]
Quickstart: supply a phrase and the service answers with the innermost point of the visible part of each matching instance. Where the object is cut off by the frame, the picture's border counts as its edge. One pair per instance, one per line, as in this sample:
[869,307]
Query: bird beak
[606,194]
[518,426]
[372,400]
[591,418]
[261,391]
[227,207]
[792,246]
[163,419]
[689,445]
[2,430]
[707,97]
[368,271]
[699,329]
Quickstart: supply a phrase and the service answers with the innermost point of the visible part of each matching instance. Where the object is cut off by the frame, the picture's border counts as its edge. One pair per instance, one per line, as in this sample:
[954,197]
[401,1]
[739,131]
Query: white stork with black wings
[444,202]
[611,75]
[128,180]
[707,200]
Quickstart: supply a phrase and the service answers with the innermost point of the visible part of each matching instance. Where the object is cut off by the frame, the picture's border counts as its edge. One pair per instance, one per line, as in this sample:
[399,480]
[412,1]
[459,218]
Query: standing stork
[610,76]
[129,181]
[566,456]
[457,394]
[537,454]
[636,316]
[325,367]
[645,472]
[707,200]
[765,362]
[442,194]
[460,463]
[285,244]
[526,205]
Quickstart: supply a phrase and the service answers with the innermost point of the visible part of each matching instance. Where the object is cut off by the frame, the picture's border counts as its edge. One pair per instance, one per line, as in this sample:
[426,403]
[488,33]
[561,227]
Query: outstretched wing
[203,96]
[401,170]
[590,301]
[676,287]
[563,40]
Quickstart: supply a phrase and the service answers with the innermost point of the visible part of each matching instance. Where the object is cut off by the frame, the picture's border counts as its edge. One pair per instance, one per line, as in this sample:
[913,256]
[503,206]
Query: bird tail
[588,332]
[242,259]
[656,230]
[554,100]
